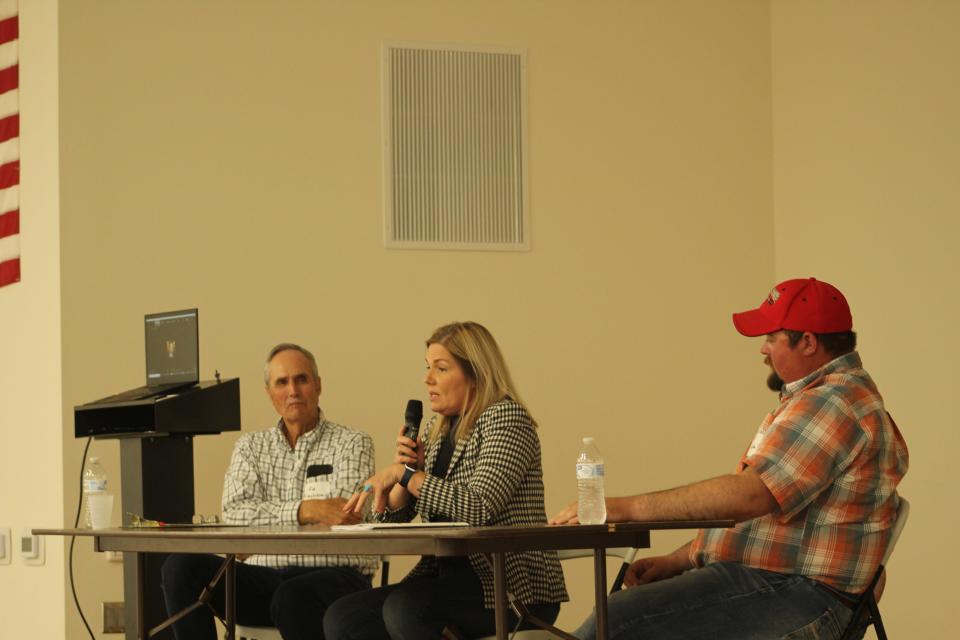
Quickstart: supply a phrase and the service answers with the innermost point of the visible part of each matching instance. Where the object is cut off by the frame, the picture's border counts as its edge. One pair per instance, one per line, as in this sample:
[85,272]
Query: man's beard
[775,382]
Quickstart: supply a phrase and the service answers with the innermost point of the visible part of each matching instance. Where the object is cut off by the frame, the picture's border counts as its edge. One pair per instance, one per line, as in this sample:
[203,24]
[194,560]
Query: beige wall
[865,98]
[31,474]
[227,155]
[252,146]
[250,143]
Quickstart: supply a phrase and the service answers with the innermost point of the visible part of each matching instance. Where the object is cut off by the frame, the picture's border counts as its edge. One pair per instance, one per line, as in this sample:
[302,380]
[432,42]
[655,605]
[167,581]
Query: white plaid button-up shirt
[264,483]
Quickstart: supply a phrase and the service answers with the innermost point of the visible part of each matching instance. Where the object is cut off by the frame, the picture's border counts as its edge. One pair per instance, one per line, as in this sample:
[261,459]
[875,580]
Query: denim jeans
[724,601]
[292,599]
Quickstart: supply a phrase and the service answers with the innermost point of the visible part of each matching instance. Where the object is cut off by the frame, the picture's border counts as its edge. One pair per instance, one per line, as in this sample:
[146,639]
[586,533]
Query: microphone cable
[76,522]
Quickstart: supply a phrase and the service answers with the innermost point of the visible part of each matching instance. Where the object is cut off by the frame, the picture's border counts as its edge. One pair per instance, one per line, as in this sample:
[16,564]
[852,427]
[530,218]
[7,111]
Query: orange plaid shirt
[832,457]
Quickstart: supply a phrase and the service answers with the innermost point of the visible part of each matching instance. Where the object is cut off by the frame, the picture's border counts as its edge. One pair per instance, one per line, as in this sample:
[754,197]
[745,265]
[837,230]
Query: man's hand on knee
[655,568]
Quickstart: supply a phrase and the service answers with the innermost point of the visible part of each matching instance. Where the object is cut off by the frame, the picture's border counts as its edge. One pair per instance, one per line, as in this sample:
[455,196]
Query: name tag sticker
[316,489]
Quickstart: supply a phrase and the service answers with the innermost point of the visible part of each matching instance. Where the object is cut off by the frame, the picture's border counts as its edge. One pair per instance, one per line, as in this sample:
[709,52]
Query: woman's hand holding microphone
[385,484]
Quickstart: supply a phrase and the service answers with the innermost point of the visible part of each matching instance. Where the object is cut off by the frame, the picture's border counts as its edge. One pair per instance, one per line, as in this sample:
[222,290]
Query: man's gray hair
[288,346]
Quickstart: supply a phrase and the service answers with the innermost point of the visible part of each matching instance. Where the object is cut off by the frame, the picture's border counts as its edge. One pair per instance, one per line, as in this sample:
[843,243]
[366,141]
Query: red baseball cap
[805,304]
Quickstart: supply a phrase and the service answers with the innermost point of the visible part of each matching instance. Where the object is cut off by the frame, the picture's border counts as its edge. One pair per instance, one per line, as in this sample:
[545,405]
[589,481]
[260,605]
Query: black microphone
[412,418]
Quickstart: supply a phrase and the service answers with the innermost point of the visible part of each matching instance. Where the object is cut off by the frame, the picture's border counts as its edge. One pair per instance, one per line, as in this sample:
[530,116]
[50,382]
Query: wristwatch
[408,472]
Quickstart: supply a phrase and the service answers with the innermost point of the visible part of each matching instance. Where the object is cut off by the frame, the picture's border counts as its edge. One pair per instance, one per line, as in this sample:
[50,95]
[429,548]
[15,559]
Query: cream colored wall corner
[866,137]
[31,475]
[237,168]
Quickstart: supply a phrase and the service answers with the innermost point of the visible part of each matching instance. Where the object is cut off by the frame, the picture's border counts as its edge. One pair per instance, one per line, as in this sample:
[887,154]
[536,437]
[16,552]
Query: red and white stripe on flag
[9,144]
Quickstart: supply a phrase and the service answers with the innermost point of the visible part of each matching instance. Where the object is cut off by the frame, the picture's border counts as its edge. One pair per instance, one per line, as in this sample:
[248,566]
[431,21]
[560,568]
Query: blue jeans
[291,599]
[722,601]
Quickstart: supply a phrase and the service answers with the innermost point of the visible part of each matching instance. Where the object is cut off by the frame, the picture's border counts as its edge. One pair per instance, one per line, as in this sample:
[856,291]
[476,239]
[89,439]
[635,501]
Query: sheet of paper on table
[367,526]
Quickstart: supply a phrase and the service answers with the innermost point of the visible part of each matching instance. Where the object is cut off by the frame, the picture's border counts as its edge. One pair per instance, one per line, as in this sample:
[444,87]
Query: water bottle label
[94,486]
[586,471]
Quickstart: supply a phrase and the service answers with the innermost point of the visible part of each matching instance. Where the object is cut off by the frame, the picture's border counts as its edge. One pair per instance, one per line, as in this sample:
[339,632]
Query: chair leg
[860,620]
[618,581]
[452,633]
[876,619]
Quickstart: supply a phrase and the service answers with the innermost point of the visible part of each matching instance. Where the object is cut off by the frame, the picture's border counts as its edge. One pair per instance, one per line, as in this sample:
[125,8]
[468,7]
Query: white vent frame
[445,204]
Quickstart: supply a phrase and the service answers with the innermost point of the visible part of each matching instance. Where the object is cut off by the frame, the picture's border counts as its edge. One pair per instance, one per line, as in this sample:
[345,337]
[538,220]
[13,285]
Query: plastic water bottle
[94,483]
[591,508]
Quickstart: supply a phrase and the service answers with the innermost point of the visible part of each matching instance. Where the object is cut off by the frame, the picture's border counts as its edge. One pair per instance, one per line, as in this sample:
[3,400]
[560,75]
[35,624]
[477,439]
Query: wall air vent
[454,149]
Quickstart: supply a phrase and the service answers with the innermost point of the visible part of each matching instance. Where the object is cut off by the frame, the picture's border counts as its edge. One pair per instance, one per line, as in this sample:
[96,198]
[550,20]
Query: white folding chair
[256,633]
[865,610]
[627,553]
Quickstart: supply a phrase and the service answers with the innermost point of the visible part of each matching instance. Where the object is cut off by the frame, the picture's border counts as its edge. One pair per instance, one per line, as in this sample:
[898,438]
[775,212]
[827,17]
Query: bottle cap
[94,459]
[588,440]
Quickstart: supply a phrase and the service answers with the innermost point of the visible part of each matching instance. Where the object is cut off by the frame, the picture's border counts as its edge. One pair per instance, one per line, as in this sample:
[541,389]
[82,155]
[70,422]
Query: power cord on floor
[76,523]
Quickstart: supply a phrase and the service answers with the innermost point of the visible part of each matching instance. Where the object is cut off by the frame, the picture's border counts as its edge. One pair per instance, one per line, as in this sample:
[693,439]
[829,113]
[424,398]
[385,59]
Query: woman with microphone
[477,461]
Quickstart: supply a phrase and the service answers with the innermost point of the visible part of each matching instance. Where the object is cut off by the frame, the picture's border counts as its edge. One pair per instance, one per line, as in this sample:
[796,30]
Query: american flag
[9,144]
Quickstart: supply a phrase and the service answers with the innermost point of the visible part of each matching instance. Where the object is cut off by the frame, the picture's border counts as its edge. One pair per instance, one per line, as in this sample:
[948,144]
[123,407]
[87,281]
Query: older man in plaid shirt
[814,496]
[298,472]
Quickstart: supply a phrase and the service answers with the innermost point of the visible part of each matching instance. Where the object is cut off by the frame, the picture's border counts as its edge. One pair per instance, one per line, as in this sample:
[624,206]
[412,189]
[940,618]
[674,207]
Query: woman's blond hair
[488,378]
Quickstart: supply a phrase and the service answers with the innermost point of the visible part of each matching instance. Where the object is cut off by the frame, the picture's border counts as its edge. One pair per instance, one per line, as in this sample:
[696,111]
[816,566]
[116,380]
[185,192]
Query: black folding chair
[865,610]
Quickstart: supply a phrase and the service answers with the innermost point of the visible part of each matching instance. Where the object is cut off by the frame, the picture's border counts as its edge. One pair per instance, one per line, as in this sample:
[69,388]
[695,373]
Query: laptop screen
[172,343]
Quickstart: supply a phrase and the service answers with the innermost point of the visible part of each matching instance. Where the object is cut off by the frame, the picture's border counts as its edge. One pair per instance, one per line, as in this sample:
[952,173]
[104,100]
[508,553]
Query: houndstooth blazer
[495,478]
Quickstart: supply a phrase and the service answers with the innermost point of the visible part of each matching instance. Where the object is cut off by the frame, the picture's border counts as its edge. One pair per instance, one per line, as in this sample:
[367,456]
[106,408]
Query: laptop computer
[172,345]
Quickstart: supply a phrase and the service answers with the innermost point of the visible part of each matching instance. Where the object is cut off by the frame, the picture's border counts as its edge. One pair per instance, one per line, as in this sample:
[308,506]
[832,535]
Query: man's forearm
[740,496]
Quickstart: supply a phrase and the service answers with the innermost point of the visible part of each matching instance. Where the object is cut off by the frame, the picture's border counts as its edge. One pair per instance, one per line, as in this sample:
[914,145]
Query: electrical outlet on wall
[31,548]
[113,617]
[5,545]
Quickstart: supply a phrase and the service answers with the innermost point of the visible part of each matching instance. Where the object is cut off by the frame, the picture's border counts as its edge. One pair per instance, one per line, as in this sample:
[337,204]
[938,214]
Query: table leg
[500,595]
[230,597]
[600,586]
[141,616]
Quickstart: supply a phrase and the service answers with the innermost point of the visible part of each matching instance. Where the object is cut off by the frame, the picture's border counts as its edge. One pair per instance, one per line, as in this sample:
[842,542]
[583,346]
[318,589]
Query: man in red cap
[814,496]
